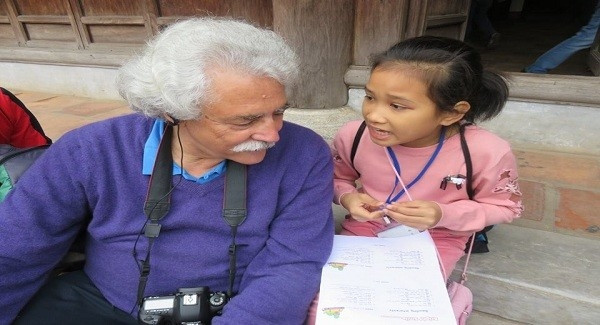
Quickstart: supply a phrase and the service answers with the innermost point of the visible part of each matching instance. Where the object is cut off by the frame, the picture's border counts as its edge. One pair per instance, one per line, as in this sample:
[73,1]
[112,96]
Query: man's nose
[268,130]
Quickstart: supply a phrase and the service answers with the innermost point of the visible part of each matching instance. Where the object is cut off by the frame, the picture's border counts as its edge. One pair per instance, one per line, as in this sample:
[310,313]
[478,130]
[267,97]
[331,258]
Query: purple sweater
[96,170]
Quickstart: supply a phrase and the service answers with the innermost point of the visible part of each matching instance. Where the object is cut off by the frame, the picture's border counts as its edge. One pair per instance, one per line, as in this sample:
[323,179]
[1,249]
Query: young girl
[421,95]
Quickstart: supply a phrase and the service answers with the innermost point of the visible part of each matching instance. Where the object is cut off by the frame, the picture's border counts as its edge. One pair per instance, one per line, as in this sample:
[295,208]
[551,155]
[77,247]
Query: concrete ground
[60,113]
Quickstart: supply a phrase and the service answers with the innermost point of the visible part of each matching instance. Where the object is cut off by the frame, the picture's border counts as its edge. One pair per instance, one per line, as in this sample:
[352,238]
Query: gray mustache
[252,145]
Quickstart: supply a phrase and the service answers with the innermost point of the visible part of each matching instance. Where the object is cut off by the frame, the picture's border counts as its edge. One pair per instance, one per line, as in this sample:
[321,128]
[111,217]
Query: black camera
[187,306]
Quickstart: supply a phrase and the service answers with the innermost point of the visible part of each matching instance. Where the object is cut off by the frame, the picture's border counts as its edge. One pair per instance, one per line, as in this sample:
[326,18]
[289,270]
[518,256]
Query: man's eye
[245,123]
[368,97]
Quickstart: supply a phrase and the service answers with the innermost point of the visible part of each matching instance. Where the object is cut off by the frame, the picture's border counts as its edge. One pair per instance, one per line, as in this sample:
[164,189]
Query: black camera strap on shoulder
[234,210]
[158,203]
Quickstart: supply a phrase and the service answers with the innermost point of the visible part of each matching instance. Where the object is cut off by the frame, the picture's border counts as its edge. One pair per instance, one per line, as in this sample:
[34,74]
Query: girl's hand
[417,214]
[362,207]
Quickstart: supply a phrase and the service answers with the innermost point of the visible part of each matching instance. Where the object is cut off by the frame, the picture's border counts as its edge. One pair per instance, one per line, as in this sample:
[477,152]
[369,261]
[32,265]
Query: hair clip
[457,180]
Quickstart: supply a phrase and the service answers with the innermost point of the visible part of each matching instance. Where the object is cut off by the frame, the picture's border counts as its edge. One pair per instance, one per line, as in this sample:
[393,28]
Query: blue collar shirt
[151,148]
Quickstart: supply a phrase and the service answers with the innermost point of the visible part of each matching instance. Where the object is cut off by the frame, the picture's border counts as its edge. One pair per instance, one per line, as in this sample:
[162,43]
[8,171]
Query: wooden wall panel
[441,7]
[447,18]
[7,35]
[109,26]
[17,27]
[110,23]
[450,31]
[50,32]
[111,8]
[42,23]
[185,8]
[123,34]
[257,11]
[37,7]
[377,25]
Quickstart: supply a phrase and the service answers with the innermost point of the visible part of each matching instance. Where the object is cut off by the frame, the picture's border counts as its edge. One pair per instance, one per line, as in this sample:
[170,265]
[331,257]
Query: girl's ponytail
[489,99]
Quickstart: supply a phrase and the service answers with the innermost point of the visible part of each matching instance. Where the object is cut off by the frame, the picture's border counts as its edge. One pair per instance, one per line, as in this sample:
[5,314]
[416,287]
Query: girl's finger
[402,211]
[376,214]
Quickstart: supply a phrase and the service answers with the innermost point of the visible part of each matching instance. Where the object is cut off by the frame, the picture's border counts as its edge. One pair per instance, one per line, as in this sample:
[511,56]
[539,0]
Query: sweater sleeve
[282,280]
[38,228]
[497,198]
[345,175]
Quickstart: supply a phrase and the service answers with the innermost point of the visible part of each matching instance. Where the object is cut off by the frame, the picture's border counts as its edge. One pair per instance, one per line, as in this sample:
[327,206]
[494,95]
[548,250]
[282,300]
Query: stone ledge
[68,57]
[481,318]
[326,122]
[535,276]
[93,82]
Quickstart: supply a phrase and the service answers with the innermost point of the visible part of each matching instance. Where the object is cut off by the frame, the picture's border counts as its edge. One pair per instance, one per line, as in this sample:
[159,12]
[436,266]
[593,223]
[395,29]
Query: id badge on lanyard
[395,229]
[392,228]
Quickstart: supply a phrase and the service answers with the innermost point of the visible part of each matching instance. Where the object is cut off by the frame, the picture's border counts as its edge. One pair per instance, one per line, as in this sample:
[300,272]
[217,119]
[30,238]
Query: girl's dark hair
[453,72]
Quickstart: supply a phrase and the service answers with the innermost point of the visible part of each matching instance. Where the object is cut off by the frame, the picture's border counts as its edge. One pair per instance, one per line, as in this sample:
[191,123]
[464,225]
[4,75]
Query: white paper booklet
[370,280]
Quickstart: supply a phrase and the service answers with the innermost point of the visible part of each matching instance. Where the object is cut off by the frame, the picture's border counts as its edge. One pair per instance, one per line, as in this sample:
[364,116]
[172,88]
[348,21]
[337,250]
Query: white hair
[171,77]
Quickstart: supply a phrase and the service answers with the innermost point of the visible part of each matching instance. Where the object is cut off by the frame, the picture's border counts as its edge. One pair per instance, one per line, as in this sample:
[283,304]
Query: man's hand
[362,207]
[417,214]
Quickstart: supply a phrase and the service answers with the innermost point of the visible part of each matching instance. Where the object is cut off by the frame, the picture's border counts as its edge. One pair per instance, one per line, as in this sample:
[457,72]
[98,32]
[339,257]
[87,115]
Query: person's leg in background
[583,39]
[479,19]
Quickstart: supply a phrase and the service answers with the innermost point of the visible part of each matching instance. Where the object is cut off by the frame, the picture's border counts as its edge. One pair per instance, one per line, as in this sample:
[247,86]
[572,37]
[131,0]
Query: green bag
[13,163]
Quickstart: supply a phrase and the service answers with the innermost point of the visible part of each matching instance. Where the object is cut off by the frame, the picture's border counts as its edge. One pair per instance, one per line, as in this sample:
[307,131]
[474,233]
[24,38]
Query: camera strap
[234,210]
[158,203]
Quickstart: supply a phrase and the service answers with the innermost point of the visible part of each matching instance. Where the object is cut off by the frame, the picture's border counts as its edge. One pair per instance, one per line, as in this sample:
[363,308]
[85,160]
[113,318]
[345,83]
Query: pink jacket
[497,196]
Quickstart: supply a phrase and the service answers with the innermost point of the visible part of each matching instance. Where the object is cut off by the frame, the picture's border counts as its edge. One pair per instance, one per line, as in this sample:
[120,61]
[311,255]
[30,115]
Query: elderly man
[218,88]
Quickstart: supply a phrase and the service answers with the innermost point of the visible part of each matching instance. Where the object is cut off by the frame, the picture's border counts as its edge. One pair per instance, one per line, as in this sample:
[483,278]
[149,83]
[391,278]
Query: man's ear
[170,119]
[460,109]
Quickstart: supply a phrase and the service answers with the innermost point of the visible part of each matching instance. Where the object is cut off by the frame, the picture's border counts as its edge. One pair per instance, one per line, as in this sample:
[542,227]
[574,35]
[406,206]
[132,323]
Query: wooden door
[378,24]
[447,18]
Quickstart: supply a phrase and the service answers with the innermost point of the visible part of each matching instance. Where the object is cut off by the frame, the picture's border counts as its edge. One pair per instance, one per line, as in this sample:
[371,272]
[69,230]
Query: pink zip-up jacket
[497,196]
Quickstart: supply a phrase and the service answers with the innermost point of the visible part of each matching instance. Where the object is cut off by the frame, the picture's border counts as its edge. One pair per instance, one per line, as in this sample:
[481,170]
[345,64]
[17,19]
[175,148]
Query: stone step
[481,318]
[536,277]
